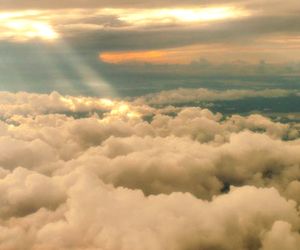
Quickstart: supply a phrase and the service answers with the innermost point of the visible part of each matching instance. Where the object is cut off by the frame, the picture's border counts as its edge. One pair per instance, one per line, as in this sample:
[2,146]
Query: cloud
[52,38]
[289,240]
[24,193]
[55,4]
[103,3]
[182,95]
[122,218]
[243,31]
[89,173]
[125,28]
[151,172]
[23,103]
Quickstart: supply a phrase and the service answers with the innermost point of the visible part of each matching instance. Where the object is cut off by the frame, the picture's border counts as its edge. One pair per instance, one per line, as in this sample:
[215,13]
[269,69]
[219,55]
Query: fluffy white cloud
[95,215]
[281,237]
[88,173]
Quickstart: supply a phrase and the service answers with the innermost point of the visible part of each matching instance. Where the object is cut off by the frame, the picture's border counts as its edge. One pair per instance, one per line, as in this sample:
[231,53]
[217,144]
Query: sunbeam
[89,78]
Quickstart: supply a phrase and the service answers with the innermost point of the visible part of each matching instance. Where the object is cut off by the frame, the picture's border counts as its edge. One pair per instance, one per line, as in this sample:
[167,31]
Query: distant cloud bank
[199,95]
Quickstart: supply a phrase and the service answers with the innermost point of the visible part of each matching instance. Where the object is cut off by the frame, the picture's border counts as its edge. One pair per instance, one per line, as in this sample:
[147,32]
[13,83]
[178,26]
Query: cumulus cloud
[89,173]
[98,216]
[281,237]
[23,103]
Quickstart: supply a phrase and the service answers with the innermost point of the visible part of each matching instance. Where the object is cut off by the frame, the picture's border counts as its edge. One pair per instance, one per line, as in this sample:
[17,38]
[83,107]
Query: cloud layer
[88,173]
[65,42]
[182,95]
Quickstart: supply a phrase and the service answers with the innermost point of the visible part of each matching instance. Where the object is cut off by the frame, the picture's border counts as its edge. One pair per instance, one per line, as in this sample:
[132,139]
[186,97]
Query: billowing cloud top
[88,173]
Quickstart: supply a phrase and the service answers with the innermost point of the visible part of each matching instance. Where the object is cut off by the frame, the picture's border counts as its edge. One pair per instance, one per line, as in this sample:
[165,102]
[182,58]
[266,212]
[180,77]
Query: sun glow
[179,55]
[114,108]
[24,26]
[79,103]
[201,15]
[24,30]
[124,110]
[144,17]
[139,56]
[41,24]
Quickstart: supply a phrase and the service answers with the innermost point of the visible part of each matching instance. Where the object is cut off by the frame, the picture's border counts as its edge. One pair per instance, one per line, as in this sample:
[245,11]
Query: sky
[78,47]
[149,125]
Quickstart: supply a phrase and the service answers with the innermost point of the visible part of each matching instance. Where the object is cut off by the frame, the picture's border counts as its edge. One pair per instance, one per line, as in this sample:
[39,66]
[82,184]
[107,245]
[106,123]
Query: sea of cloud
[82,173]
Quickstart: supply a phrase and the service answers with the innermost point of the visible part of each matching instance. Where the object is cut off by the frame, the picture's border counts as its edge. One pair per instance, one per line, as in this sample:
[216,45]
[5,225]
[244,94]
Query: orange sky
[270,50]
